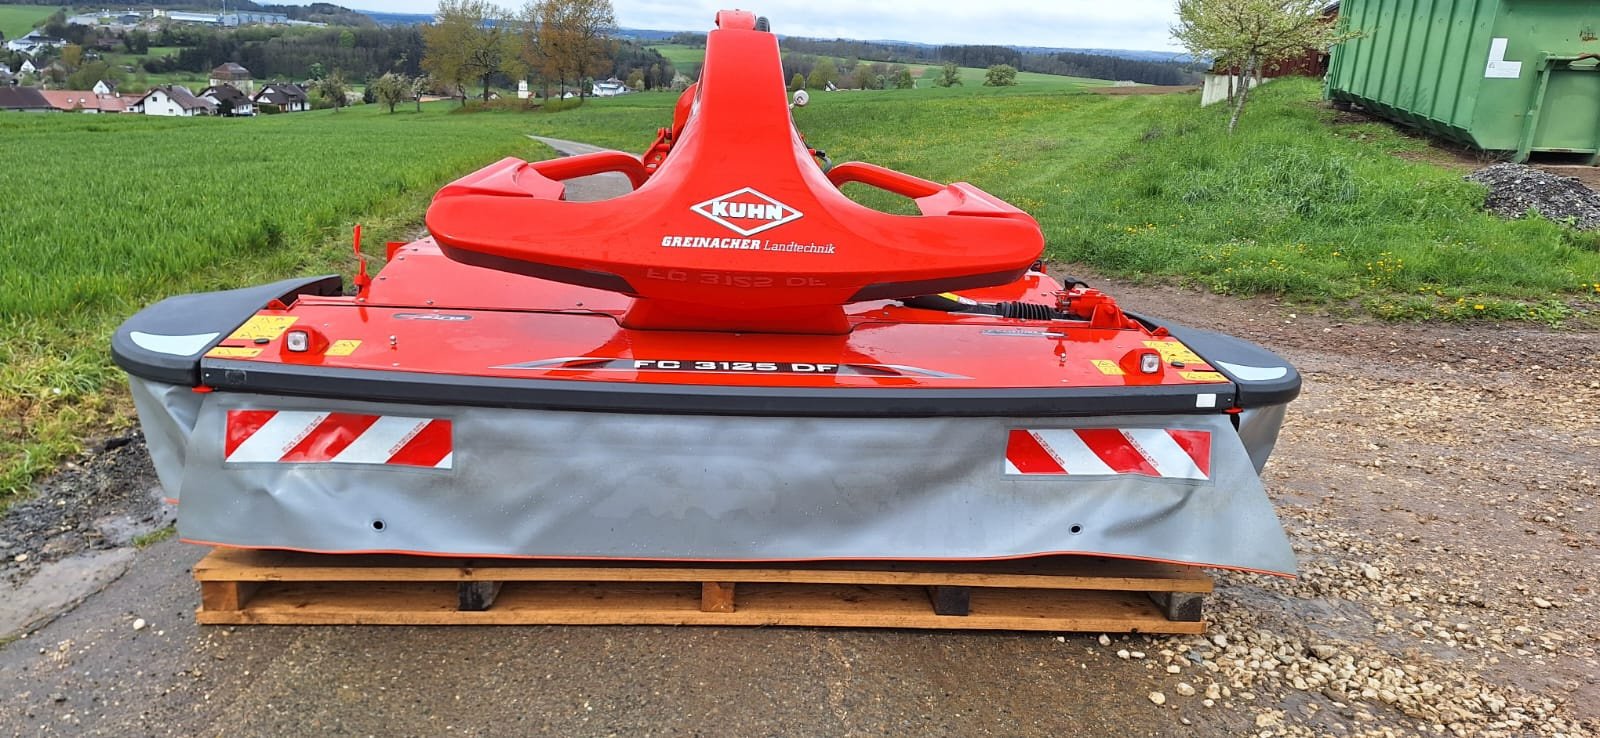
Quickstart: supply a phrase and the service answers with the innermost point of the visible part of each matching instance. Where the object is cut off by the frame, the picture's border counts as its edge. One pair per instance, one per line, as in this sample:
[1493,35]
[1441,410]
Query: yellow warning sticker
[1107,366]
[1203,376]
[1174,351]
[263,326]
[231,352]
[343,347]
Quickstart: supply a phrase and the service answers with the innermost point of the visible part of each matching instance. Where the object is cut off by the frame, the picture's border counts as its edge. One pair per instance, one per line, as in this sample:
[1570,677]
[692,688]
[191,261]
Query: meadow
[973,77]
[682,56]
[18,20]
[687,57]
[1153,187]
[106,214]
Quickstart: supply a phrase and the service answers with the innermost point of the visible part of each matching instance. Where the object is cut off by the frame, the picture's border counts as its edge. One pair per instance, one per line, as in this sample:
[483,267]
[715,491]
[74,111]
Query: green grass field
[1153,187]
[692,56]
[106,214]
[18,20]
[682,56]
[134,60]
[973,77]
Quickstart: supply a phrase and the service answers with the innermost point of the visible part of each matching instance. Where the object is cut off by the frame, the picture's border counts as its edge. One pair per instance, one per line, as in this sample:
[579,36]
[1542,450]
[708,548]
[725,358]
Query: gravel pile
[1514,189]
[1256,660]
[1276,670]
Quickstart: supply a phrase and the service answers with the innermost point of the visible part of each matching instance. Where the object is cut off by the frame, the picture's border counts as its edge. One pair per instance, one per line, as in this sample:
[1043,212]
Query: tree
[391,89]
[867,77]
[137,42]
[903,79]
[469,43]
[1247,35]
[72,56]
[949,75]
[823,74]
[420,86]
[332,88]
[636,79]
[569,40]
[1000,75]
[91,73]
[798,83]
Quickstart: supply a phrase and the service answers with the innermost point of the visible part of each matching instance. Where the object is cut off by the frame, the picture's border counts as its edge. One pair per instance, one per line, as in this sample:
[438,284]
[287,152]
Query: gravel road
[1438,482]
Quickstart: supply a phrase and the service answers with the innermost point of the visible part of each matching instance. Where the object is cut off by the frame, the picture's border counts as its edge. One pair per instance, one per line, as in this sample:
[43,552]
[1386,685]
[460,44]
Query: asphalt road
[91,673]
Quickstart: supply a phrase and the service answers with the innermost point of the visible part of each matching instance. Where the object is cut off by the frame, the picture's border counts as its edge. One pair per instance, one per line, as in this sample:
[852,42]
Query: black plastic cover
[1214,347]
[198,314]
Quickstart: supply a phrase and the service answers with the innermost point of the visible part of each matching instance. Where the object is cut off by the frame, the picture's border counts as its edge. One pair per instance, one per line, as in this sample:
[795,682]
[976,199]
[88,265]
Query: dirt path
[1438,481]
[1440,485]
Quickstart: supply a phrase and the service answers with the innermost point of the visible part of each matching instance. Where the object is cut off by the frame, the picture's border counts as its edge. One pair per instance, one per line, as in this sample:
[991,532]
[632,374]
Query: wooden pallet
[240,587]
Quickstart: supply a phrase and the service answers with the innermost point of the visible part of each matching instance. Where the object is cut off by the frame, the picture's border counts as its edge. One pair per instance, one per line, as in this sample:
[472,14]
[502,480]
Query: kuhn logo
[746,211]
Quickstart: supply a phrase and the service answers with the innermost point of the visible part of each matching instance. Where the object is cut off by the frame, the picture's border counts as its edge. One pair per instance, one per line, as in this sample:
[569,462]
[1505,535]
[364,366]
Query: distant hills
[397,19]
[647,34]
[1179,57]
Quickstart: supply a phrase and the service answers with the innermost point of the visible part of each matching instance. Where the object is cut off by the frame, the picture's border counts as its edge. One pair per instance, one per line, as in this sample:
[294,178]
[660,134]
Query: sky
[1106,24]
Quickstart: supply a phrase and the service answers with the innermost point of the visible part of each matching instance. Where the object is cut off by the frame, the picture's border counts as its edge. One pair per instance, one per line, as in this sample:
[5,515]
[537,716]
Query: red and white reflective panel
[1151,452]
[307,437]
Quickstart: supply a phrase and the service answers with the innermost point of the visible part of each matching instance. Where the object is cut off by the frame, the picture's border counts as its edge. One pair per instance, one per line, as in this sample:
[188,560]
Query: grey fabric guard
[572,484]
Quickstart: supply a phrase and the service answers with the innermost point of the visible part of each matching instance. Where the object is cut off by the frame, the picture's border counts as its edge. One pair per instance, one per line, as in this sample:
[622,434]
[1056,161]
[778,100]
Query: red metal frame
[777,247]
[636,288]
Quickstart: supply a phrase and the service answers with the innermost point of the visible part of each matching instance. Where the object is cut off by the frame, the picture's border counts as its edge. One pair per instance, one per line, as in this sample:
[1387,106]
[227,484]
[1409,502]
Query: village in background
[169,62]
[38,69]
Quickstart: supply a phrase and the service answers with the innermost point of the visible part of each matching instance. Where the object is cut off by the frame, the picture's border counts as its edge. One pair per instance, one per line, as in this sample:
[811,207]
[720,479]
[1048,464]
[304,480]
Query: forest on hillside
[1072,64]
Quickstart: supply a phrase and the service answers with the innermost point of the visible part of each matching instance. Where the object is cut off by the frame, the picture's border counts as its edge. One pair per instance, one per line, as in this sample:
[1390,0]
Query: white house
[228,100]
[72,101]
[609,88]
[34,40]
[28,67]
[288,98]
[104,87]
[172,100]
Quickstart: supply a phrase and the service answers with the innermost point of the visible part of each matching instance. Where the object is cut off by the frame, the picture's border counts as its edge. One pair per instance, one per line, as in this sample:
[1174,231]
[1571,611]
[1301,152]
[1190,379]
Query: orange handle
[599,162]
[884,179]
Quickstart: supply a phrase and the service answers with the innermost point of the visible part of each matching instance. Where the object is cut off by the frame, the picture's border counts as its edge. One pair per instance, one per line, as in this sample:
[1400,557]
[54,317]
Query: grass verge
[110,213]
[144,540]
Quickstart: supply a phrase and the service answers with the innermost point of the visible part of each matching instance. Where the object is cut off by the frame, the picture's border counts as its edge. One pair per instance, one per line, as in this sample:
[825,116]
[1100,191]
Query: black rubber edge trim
[1213,347]
[206,312]
[681,399]
[897,290]
[581,277]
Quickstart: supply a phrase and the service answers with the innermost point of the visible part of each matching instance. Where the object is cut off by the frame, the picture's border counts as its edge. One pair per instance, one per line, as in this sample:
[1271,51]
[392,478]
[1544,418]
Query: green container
[1516,76]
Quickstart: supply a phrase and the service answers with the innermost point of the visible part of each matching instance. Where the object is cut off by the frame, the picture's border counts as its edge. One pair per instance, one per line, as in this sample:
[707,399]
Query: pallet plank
[1097,574]
[571,603]
[283,588]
